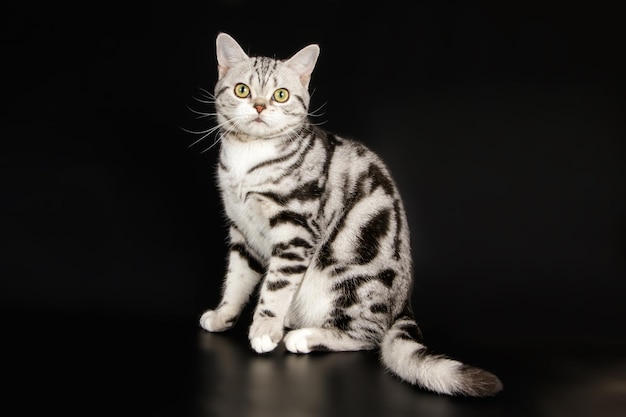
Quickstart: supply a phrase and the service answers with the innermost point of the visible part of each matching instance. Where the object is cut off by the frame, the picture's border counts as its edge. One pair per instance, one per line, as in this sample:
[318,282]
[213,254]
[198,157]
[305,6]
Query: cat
[317,225]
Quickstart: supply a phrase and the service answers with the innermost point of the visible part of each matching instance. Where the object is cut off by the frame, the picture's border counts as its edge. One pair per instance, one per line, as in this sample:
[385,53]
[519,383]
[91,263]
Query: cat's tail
[403,353]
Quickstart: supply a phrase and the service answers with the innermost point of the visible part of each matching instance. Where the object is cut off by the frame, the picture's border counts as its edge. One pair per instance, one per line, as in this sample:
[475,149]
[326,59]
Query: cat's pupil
[241,90]
[281,95]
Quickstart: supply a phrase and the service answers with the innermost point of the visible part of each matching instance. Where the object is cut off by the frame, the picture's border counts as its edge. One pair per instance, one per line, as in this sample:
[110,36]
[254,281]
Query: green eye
[242,90]
[281,95]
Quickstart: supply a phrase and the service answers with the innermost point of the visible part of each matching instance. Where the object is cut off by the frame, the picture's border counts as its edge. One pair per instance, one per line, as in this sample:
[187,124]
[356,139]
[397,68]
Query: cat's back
[353,162]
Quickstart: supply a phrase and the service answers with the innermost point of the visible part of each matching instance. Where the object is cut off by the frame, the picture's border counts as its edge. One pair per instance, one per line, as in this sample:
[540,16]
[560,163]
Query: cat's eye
[242,90]
[281,95]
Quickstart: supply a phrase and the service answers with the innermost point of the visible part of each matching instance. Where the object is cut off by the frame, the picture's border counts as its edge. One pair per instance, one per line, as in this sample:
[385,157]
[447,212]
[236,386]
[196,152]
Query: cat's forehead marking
[264,70]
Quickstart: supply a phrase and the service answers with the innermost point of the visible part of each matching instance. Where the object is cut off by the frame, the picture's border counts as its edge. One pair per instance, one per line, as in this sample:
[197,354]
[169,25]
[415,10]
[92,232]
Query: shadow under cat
[234,380]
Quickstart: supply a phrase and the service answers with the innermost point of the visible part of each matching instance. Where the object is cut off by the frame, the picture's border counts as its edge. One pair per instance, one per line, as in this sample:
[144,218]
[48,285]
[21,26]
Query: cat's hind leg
[310,339]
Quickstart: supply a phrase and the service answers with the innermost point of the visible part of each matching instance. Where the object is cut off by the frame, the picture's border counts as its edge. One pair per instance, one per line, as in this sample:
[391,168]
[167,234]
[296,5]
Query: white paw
[263,344]
[297,341]
[219,320]
[265,334]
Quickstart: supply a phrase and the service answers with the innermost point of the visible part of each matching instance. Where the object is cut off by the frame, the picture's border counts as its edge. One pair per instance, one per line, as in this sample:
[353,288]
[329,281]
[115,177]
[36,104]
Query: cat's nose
[259,107]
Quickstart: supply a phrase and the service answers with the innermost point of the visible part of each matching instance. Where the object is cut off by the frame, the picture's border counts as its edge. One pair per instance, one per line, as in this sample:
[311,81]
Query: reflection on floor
[155,366]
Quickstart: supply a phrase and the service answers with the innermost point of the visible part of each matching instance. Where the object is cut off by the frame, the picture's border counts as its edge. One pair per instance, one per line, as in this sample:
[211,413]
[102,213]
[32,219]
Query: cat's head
[261,97]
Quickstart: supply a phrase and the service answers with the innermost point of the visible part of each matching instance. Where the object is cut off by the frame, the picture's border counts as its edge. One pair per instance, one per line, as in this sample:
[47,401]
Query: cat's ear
[229,53]
[303,63]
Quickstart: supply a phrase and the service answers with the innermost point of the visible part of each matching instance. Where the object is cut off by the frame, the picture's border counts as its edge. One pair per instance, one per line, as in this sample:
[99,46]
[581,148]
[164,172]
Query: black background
[502,122]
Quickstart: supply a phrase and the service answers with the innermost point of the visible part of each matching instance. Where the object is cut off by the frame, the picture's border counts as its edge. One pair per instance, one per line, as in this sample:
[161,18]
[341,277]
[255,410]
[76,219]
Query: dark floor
[503,124]
[65,365]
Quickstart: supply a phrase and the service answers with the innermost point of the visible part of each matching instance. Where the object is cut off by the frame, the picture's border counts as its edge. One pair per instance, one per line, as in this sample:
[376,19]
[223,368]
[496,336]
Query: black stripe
[307,192]
[424,352]
[340,320]
[338,270]
[351,284]
[297,145]
[253,263]
[409,331]
[320,348]
[290,217]
[380,179]
[374,334]
[348,287]
[325,257]
[379,308]
[301,158]
[347,299]
[277,285]
[301,100]
[260,69]
[348,291]
[266,313]
[289,256]
[386,276]
[330,142]
[221,91]
[252,74]
[397,240]
[297,242]
[274,161]
[291,270]
[371,232]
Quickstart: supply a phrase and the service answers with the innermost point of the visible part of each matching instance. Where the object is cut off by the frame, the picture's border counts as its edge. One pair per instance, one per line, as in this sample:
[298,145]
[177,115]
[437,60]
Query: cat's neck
[239,154]
[288,135]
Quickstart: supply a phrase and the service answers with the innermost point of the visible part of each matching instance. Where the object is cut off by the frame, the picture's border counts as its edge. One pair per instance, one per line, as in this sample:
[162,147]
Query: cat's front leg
[279,286]
[244,273]
[220,319]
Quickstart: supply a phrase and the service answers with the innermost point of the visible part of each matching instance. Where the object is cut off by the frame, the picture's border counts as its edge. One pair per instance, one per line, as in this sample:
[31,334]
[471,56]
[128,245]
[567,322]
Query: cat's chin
[259,128]
[257,131]
[251,137]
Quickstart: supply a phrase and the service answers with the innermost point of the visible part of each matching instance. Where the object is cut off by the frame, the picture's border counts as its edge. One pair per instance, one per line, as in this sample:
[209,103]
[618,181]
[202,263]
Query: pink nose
[259,108]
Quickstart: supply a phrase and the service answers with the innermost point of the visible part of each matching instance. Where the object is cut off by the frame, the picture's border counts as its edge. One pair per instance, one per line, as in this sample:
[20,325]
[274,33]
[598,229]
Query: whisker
[323,122]
[207,133]
[206,93]
[212,101]
[204,133]
[315,112]
[201,114]
[197,132]
[215,142]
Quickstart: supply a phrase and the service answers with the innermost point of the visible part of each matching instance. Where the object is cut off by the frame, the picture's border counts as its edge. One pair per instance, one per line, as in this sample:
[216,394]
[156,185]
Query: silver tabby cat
[317,220]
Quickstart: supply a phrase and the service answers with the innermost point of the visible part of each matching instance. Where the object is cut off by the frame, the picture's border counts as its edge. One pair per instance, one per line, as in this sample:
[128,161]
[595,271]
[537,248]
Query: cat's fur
[317,220]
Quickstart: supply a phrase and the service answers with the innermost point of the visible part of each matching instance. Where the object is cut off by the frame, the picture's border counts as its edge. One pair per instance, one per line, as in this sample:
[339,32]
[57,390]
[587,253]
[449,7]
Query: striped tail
[404,355]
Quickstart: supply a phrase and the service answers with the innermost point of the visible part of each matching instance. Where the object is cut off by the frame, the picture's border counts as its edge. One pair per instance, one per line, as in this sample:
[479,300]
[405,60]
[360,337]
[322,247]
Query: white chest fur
[240,157]
[237,183]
